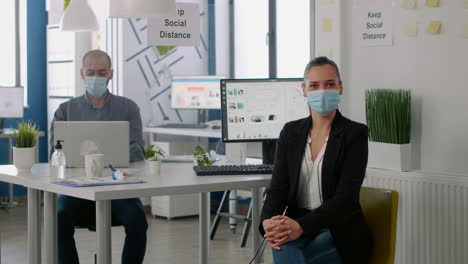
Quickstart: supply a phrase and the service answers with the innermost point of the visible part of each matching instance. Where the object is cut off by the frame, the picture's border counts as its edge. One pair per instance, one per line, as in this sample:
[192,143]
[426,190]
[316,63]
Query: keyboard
[182,125]
[233,169]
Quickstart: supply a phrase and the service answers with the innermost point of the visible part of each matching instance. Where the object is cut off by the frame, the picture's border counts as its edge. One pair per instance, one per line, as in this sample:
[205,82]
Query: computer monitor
[11,102]
[255,110]
[195,92]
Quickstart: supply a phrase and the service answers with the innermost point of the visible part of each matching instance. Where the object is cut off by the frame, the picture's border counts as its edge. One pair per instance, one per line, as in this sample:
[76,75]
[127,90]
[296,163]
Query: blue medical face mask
[96,86]
[323,102]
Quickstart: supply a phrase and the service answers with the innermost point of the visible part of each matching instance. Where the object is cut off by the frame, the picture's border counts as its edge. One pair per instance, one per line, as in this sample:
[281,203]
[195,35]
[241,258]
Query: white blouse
[309,193]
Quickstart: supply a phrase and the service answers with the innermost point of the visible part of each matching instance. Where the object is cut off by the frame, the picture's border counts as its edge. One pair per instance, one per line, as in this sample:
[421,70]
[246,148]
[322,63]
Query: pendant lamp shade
[142,8]
[79,17]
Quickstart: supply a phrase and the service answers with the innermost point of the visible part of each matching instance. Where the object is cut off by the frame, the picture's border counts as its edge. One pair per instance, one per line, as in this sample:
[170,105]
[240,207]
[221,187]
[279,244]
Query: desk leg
[50,228]
[103,231]
[256,207]
[204,227]
[11,201]
[34,233]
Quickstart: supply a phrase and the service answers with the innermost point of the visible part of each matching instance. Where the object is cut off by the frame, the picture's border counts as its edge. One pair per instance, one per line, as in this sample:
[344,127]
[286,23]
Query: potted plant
[24,152]
[153,156]
[201,157]
[388,115]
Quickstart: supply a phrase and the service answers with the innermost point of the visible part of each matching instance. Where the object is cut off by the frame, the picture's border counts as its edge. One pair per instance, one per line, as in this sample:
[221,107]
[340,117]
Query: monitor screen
[257,109]
[11,102]
[195,92]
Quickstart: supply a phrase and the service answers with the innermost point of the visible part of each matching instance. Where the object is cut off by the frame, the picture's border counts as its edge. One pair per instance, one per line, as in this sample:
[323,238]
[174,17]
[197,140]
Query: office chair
[219,213]
[380,208]
[89,221]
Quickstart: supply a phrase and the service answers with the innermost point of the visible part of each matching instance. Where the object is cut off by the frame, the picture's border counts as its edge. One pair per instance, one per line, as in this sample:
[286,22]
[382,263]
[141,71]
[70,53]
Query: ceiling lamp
[79,17]
[142,8]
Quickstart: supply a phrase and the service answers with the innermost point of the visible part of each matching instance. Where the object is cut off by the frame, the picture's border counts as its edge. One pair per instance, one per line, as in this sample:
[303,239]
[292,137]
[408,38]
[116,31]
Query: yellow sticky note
[325,52]
[325,2]
[327,25]
[464,31]
[434,27]
[411,29]
[432,3]
[464,3]
[408,4]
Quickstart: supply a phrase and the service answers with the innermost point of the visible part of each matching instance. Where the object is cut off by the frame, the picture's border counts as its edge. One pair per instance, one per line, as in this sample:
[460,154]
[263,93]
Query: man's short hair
[320,61]
[97,52]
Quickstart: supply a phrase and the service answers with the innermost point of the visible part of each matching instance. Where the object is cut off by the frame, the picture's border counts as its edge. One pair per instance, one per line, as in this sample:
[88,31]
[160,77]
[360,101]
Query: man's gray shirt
[116,108]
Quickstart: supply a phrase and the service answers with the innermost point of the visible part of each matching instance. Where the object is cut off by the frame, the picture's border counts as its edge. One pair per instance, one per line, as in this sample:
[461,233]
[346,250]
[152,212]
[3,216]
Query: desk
[9,135]
[192,132]
[175,178]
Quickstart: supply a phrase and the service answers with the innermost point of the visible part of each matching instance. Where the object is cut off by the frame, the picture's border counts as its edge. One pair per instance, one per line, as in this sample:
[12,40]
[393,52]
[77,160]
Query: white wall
[435,67]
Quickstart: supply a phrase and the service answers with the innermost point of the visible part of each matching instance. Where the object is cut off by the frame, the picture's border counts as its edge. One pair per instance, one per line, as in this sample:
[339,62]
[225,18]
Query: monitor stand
[201,121]
[268,151]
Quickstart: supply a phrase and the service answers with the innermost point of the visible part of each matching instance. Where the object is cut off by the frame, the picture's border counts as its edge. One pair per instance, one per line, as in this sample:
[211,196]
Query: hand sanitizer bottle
[58,162]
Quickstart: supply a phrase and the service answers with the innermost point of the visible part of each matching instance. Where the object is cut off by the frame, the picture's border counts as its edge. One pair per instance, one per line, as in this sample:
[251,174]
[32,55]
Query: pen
[113,172]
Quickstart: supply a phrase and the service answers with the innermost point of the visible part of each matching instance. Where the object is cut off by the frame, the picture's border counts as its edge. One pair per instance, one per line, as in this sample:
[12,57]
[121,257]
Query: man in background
[98,104]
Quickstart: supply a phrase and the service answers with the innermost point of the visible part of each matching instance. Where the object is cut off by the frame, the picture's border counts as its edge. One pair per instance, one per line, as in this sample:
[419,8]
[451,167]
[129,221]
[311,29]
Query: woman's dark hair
[320,61]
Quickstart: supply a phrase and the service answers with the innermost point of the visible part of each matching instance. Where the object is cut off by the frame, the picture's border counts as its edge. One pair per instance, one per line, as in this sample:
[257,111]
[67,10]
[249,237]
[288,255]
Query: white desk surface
[193,132]
[175,178]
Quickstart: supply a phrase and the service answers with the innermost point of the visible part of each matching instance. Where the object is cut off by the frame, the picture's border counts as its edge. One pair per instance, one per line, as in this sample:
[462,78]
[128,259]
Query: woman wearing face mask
[319,167]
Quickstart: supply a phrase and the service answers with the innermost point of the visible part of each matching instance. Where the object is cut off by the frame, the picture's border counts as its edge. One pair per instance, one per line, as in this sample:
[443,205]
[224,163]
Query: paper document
[87,182]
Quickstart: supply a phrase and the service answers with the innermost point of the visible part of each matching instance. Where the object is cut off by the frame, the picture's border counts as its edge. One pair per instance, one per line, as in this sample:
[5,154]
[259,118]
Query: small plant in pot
[153,157]
[24,152]
[201,157]
[388,115]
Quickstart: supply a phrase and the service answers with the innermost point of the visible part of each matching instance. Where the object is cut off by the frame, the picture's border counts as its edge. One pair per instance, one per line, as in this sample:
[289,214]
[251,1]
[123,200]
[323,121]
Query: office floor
[174,241]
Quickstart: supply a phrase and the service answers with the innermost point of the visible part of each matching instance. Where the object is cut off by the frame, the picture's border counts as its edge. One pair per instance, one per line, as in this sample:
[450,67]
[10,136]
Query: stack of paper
[86,182]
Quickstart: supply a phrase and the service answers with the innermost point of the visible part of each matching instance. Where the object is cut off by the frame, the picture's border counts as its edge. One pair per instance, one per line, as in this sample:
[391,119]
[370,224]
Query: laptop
[111,138]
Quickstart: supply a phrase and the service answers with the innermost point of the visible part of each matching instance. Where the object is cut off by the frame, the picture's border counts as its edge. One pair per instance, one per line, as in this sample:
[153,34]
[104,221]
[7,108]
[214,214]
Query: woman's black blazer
[343,170]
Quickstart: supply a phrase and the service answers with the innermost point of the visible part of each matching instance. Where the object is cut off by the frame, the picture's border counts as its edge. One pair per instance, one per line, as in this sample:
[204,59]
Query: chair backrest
[380,208]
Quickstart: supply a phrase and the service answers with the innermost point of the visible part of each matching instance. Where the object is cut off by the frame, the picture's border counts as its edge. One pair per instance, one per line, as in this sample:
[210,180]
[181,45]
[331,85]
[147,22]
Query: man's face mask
[96,86]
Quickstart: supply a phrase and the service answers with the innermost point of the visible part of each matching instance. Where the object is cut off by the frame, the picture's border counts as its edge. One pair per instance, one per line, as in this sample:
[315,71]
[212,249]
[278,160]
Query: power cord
[263,244]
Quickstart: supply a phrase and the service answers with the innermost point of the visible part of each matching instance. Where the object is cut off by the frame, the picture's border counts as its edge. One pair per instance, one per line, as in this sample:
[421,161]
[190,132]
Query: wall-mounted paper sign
[374,25]
[181,30]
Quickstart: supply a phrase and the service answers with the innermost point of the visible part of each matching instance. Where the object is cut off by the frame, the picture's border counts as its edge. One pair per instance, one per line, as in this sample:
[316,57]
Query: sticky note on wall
[432,3]
[325,2]
[325,52]
[434,27]
[464,31]
[327,25]
[411,29]
[408,4]
[464,3]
